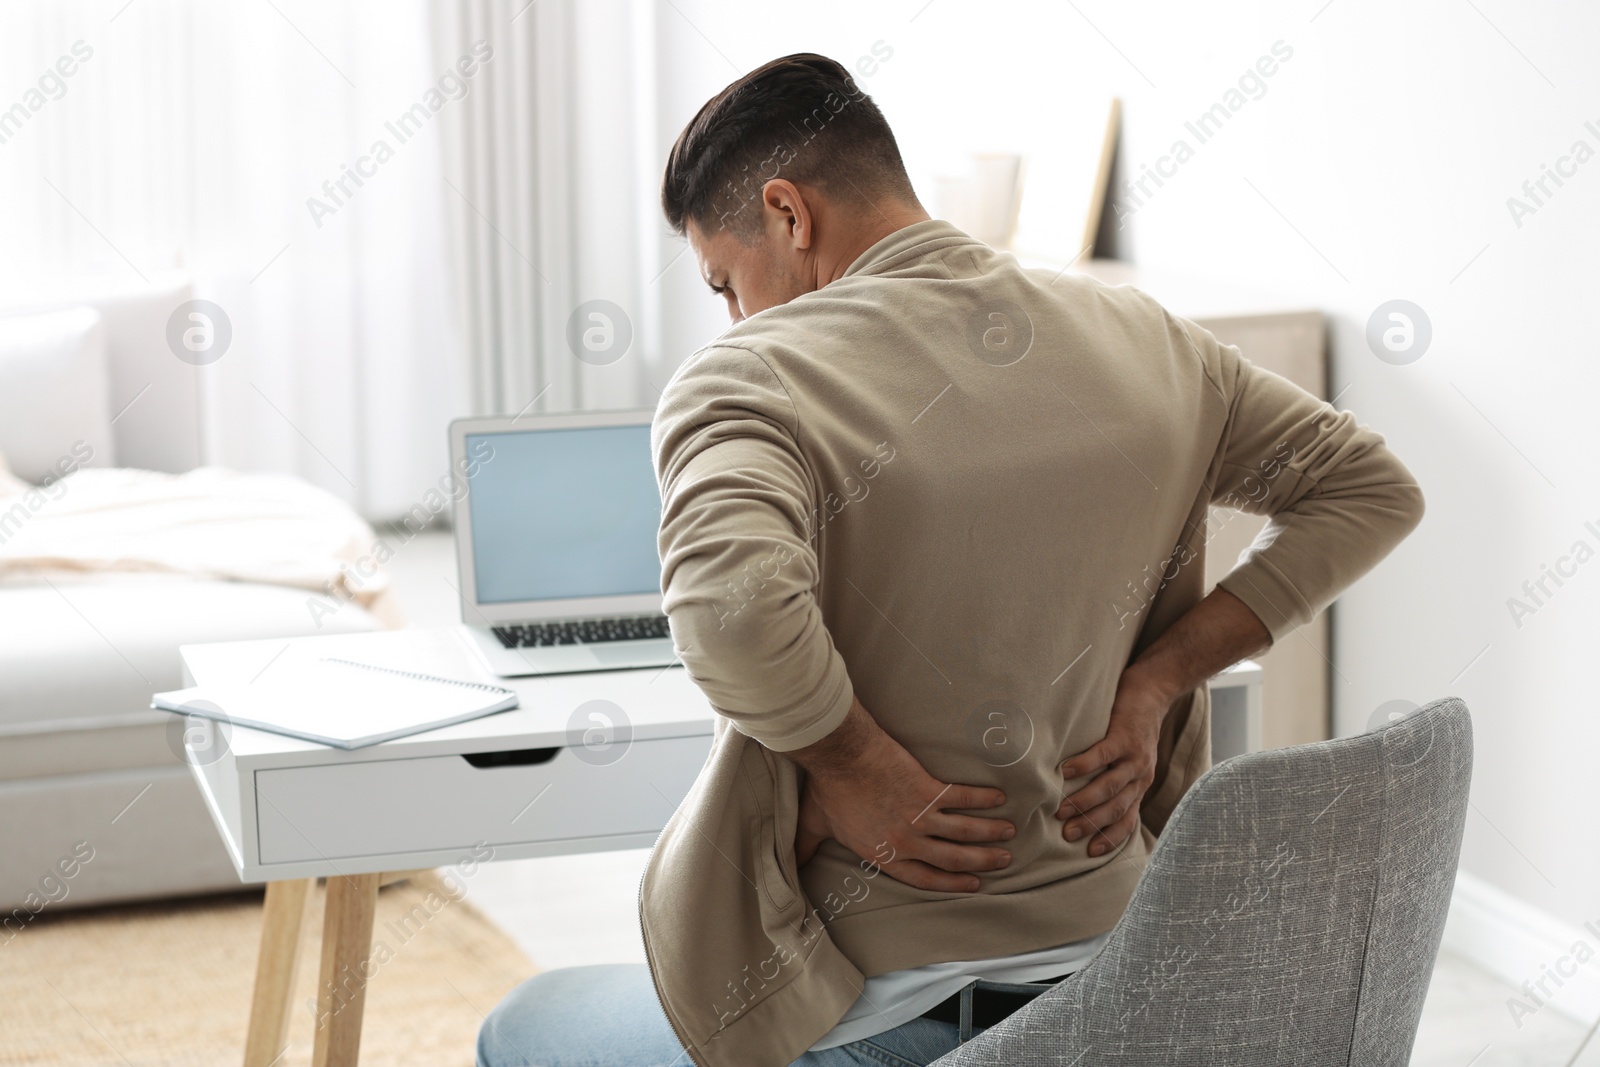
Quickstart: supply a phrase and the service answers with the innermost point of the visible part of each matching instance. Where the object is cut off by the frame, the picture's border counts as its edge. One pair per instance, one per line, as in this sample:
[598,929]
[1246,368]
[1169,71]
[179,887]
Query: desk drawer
[432,803]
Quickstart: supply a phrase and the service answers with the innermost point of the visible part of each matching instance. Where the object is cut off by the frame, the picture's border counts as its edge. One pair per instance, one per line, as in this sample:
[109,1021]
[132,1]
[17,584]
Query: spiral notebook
[341,702]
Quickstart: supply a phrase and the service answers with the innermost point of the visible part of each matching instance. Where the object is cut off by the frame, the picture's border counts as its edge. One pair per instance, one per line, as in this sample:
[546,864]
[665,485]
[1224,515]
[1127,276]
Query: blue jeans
[608,1016]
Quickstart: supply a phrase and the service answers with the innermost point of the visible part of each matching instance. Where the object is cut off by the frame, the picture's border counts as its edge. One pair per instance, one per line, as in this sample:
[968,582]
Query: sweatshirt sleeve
[738,572]
[1339,501]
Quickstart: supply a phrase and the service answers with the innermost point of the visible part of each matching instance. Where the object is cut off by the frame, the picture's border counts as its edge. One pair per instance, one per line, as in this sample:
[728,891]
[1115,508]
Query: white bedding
[209,523]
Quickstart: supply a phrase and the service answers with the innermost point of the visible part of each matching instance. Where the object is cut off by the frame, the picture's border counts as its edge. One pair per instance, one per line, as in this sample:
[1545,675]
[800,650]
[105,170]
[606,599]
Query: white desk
[588,762]
[1236,720]
[609,753]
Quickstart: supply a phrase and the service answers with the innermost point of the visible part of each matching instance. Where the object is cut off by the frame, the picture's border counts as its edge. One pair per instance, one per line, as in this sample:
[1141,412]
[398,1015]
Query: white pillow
[55,393]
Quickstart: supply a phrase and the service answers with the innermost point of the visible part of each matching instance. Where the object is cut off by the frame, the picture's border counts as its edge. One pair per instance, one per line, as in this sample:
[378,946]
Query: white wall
[1376,165]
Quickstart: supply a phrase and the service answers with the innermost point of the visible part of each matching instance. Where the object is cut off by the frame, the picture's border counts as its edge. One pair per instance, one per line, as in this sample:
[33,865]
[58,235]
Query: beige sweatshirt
[969,493]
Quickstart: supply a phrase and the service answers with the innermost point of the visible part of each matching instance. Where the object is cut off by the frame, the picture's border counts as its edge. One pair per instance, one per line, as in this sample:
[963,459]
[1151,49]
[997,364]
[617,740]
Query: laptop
[556,542]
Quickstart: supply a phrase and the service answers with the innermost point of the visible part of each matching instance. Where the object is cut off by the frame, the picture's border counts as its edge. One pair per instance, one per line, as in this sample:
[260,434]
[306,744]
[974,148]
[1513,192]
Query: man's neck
[864,232]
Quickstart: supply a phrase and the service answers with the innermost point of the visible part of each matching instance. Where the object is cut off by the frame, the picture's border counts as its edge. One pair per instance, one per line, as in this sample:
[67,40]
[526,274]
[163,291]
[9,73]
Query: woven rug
[168,984]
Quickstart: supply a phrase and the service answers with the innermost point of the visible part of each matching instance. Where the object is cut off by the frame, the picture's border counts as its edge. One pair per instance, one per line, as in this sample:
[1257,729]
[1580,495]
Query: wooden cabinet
[1295,673]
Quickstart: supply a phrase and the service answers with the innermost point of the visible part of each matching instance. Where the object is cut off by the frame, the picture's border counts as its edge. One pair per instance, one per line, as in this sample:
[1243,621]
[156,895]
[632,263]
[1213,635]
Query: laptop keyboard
[586,631]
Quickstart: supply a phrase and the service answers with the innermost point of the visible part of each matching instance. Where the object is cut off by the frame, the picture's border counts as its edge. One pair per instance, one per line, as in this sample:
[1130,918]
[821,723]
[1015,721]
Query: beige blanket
[210,523]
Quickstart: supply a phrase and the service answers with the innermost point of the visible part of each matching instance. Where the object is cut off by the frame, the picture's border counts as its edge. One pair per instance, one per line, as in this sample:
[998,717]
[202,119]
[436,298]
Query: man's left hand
[1123,764]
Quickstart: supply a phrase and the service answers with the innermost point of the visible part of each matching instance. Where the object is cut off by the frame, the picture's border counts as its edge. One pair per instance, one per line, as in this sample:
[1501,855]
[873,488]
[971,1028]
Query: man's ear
[788,214]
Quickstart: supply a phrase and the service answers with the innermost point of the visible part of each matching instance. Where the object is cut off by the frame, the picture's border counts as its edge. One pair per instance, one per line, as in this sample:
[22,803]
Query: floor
[574,910]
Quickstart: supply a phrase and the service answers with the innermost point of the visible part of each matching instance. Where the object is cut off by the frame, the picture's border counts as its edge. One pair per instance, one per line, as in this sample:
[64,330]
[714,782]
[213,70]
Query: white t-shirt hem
[894,999]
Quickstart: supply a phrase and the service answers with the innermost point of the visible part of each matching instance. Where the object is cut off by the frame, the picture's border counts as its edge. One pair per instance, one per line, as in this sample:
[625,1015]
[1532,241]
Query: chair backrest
[1290,913]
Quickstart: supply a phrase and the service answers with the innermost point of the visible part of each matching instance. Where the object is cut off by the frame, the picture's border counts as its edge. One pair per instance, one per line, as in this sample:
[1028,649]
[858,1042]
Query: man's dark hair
[802,118]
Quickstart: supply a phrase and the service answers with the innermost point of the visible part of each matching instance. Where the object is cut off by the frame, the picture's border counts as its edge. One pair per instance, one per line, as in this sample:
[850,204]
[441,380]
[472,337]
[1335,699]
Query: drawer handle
[516,757]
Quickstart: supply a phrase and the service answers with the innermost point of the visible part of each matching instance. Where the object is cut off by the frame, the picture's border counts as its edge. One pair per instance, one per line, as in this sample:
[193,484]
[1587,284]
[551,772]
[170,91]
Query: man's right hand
[873,797]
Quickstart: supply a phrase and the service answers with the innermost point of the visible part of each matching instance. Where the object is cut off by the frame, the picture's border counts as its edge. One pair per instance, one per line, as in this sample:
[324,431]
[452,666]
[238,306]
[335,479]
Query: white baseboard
[1519,943]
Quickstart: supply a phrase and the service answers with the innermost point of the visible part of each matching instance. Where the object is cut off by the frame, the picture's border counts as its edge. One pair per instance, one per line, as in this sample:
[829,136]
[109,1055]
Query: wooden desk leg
[342,982]
[283,921]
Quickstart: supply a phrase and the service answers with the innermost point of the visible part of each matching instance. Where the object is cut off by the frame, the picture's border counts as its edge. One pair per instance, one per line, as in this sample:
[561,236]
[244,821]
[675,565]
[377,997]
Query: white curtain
[203,135]
[399,205]
[550,176]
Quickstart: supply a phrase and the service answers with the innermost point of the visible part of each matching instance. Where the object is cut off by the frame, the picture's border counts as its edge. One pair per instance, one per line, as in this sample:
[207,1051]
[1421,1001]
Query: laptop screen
[564,513]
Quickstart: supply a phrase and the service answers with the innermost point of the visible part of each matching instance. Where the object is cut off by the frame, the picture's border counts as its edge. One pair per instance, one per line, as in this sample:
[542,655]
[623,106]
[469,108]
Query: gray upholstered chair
[1290,914]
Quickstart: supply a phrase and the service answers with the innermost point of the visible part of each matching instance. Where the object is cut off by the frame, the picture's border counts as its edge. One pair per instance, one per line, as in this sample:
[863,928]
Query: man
[932,544]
